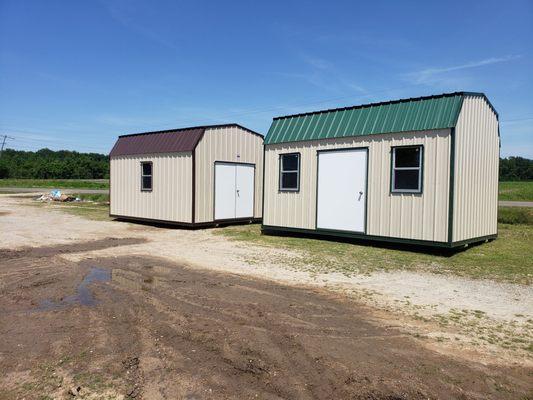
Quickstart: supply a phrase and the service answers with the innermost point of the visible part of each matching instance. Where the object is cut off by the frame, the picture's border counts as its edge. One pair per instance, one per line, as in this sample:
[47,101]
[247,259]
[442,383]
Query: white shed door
[244,202]
[234,191]
[341,198]
[225,191]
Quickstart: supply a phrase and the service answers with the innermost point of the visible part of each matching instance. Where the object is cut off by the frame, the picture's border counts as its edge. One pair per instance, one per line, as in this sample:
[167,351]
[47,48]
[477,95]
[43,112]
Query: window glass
[147,182]
[290,162]
[289,172]
[289,180]
[407,169]
[406,179]
[147,168]
[408,157]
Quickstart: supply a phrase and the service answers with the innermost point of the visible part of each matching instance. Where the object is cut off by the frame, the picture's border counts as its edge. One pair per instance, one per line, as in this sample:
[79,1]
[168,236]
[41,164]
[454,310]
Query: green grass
[56,183]
[94,211]
[516,191]
[506,259]
[515,215]
[94,197]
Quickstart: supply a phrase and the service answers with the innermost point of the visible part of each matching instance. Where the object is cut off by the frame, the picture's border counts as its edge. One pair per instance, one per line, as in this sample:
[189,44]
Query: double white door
[234,191]
[341,199]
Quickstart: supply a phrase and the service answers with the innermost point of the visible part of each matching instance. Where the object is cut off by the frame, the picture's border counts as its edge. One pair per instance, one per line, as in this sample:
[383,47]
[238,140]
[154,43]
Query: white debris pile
[56,195]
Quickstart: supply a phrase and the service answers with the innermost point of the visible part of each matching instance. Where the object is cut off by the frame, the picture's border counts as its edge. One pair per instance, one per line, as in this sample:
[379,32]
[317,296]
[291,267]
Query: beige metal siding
[409,216]
[475,211]
[171,197]
[231,144]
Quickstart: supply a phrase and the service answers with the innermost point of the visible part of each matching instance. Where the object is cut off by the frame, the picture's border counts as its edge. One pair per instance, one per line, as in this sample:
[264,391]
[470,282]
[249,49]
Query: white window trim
[418,190]
[143,189]
[281,172]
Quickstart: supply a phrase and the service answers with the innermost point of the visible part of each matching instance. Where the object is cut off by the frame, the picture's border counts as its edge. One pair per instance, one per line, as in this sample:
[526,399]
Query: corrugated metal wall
[476,171]
[225,144]
[410,216]
[171,197]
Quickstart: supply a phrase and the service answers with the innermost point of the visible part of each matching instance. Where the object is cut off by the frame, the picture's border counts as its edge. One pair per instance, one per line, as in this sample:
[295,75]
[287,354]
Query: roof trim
[194,127]
[436,96]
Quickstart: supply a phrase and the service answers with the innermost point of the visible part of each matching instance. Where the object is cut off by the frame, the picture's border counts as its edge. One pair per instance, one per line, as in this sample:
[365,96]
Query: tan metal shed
[192,177]
[420,170]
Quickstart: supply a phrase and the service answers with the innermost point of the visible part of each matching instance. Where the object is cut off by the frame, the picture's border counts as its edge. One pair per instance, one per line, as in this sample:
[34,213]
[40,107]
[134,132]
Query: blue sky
[75,74]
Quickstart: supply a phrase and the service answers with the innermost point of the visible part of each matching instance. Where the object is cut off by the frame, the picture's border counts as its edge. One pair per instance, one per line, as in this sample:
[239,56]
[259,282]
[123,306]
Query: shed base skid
[331,234]
[186,225]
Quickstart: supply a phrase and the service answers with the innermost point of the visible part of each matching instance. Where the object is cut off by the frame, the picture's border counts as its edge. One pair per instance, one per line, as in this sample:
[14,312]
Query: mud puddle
[83,295]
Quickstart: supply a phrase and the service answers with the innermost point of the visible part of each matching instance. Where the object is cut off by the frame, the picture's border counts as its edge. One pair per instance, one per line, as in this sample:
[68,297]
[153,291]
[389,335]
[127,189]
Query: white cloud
[435,74]
[316,62]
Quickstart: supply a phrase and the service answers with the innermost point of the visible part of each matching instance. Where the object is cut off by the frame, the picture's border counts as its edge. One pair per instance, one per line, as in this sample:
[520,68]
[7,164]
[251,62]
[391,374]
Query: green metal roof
[415,114]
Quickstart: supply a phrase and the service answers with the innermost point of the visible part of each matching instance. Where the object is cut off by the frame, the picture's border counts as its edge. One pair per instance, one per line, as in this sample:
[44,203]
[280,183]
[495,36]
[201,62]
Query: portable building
[192,177]
[420,170]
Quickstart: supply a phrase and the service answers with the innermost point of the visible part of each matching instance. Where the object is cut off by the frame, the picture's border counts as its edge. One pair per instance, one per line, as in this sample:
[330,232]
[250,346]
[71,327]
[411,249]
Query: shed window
[146,176]
[289,179]
[407,169]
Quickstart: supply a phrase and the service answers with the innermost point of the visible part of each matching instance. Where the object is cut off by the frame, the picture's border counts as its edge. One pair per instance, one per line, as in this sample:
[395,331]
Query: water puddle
[83,294]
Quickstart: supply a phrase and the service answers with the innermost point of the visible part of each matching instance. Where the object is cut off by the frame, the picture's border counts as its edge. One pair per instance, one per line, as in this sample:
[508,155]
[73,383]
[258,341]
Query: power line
[275,108]
[297,105]
[59,144]
[261,110]
[4,142]
[517,119]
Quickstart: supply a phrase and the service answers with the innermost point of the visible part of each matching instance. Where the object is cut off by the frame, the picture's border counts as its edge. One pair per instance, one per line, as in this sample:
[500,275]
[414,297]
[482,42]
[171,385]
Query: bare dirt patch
[69,248]
[159,329]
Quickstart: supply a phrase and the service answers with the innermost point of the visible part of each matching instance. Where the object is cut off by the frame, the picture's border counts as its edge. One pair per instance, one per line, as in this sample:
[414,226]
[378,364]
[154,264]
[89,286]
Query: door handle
[238,193]
[360,195]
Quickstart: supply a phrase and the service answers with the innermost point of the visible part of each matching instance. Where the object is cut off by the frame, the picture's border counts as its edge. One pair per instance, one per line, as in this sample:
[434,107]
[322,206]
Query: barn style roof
[405,115]
[168,141]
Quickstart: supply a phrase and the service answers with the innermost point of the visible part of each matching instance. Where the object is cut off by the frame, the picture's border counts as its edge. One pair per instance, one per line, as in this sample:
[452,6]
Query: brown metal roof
[173,141]
[169,141]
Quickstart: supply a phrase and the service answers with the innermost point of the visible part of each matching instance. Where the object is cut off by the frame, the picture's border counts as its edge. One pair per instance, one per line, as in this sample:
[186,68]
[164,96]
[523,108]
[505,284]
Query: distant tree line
[49,164]
[516,169]
[63,164]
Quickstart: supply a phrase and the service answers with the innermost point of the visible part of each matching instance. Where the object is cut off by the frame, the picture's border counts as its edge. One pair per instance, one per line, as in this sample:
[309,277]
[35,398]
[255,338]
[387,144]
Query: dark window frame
[298,172]
[420,169]
[143,189]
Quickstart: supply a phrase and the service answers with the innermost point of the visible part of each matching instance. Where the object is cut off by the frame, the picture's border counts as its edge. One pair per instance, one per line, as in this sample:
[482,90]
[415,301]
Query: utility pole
[4,142]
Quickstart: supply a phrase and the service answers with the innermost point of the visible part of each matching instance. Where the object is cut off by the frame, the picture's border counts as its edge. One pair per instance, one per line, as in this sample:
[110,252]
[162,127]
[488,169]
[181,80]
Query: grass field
[508,259]
[56,183]
[98,211]
[516,191]
[510,191]
[94,197]
[515,215]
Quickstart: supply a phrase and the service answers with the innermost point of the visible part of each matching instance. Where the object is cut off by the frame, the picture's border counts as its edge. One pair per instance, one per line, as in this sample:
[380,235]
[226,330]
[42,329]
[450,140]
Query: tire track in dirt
[159,329]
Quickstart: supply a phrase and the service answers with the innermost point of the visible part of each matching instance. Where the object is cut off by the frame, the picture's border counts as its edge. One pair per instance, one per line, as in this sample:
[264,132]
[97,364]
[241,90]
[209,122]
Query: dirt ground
[127,311]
